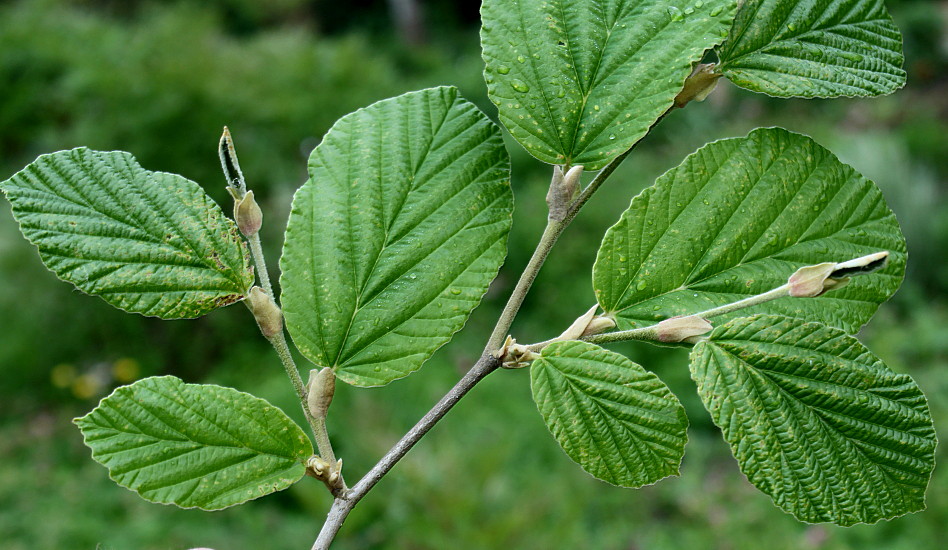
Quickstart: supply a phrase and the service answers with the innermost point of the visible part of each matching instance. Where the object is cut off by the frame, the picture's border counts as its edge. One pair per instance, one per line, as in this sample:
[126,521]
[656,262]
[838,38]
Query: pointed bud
[248,215]
[319,391]
[680,329]
[576,330]
[861,265]
[814,280]
[230,166]
[598,325]
[699,85]
[563,189]
[266,312]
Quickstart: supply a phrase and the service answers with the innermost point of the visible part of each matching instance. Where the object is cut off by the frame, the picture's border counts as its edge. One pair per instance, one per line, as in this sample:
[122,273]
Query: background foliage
[160,79]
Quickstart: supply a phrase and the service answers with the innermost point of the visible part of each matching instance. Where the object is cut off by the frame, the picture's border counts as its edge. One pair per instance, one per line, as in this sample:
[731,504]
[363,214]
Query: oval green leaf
[815,420]
[814,48]
[194,445]
[580,81]
[736,219]
[614,418]
[146,242]
[396,236]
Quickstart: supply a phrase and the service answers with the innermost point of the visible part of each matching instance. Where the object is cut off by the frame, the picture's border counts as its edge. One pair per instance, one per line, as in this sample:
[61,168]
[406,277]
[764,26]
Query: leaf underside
[736,219]
[396,236]
[615,419]
[146,242]
[580,81]
[194,445]
[814,48]
[815,420]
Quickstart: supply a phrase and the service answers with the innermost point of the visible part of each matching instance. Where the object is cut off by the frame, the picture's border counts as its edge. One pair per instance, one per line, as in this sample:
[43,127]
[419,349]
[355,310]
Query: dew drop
[503,69]
[675,13]
[595,107]
[612,136]
[520,86]
[698,4]
[851,56]
[455,291]
[641,285]
[689,10]
[791,27]
[716,11]
[521,58]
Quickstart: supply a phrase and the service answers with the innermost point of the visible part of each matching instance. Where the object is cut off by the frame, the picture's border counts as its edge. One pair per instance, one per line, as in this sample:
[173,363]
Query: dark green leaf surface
[147,242]
[396,235]
[194,445]
[814,48]
[815,420]
[580,81]
[736,219]
[617,420]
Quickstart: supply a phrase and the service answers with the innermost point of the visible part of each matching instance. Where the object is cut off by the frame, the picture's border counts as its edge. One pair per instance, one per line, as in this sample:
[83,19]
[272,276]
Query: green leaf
[736,219]
[147,242]
[814,48]
[614,418]
[194,445]
[815,420]
[396,236]
[580,81]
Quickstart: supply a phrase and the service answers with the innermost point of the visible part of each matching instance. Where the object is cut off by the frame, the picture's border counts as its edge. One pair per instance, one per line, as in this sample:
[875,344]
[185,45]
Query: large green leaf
[814,48]
[736,219]
[580,81]
[815,420]
[194,445]
[146,242]
[396,235]
[617,420]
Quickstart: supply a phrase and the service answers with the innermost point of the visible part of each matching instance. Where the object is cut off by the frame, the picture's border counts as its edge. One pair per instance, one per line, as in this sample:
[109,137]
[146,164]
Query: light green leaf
[814,48]
[815,420]
[580,81]
[397,234]
[147,242]
[736,219]
[194,445]
[617,420]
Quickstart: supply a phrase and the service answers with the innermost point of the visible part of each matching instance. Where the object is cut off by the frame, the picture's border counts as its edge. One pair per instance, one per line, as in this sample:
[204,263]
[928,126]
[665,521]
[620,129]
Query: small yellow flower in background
[62,375]
[125,370]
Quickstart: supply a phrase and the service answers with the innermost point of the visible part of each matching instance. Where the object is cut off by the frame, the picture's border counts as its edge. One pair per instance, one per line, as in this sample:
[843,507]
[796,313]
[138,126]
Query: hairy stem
[238,188]
[650,332]
[550,235]
[278,341]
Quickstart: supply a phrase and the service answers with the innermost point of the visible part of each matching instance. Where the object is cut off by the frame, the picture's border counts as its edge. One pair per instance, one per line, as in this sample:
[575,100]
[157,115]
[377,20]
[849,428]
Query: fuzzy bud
[319,391]
[266,312]
[681,329]
[699,85]
[248,215]
[808,282]
[563,189]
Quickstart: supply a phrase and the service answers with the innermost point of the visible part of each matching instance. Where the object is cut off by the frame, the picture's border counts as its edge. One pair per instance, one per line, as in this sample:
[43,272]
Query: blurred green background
[160,79]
